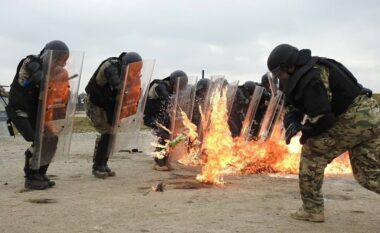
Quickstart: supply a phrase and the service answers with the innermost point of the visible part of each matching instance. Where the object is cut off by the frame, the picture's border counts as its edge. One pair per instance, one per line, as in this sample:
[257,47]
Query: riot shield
[250,123]
[277,132]
[271,115]
[273,83]
[56,109]
[182,108]
[231,94]
[201,103]
[183,100]
[130,104]
[218,85]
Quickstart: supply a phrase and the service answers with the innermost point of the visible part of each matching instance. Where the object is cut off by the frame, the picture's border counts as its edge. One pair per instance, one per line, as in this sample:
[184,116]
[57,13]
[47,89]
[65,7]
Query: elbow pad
[162,92]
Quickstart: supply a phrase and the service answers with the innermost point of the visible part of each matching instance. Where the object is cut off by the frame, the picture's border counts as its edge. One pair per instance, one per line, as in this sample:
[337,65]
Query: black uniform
[307,94]
[155,113]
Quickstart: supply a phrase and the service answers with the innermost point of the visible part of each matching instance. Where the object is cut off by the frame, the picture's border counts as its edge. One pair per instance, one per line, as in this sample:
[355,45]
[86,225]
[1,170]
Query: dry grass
[82,124]
[376,97]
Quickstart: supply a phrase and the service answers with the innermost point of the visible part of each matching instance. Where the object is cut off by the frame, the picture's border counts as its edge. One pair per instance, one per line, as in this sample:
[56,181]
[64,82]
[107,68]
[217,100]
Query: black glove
[307,132]
[291,131]
[294,127]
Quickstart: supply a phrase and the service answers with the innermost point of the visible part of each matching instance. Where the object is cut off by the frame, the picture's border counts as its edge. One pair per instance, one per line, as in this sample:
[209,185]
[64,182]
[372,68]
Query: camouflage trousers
[97,116]
[357,131]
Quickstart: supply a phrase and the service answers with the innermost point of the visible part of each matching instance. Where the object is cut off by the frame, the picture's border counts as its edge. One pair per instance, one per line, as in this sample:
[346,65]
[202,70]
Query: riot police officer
[341,116]
[100,104]
[201,90]
[157,107]
[23,106]
[240,107]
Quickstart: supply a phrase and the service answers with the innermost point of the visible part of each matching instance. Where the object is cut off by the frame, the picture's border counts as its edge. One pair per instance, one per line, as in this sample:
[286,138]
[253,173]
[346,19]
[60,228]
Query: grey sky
[223,37]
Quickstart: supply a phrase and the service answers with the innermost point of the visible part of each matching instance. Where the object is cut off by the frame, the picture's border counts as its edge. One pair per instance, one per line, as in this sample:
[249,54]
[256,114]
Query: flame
[225,155]
[218,143]
[221,154]
[192,144]
[189,136]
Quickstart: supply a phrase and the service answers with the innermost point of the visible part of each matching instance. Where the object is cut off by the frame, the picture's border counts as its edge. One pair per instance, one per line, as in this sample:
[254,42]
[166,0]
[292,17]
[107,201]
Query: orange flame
[218,143]
[225,155]
[192,144]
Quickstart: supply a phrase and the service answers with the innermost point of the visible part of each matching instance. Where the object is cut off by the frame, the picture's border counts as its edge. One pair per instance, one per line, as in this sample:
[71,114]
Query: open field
[126,203]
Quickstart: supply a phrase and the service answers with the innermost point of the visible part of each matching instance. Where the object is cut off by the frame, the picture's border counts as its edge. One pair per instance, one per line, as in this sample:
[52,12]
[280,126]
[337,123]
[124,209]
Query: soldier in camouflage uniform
[341,116]
[100,104]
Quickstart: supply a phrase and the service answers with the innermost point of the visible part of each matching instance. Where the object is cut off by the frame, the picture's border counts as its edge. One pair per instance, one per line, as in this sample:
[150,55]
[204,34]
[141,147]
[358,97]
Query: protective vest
[156,106]
[341,84]
[103,96]
[25,98]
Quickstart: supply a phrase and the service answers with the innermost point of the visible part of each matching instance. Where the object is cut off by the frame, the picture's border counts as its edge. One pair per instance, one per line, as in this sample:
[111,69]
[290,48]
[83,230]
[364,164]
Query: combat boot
[108,169]
[28,156]
[99,172]
[100,157]
[301,214]
[43,170]
[35,181]
[162,164]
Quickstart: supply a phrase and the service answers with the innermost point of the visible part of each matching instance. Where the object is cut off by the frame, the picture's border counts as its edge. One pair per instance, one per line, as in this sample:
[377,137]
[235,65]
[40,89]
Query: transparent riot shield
[231,94]
[201,105]
[273,83]
[183,100]
[271,115]
[130,104]
[56,109]
[3,116]
[277,132]
[218,85]
[250,121]
[181,114]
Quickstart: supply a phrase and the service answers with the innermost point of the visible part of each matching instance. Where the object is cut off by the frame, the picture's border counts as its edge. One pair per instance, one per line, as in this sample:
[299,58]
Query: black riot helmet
[60,50]
[221,81]
[282,56]
[202,86]
[178,75]
[129,57]
[265,82]
[249,88]
[285,56]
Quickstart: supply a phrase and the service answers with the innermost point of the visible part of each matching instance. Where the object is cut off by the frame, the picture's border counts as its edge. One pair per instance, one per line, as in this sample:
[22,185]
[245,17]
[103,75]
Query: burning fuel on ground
[219,154]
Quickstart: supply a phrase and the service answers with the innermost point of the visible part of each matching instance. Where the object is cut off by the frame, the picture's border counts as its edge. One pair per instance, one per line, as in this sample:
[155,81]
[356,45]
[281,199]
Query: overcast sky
[233,38]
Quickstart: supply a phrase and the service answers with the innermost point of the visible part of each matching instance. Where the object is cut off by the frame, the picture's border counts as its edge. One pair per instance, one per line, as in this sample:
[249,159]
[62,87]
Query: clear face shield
[278,78]
[273,80]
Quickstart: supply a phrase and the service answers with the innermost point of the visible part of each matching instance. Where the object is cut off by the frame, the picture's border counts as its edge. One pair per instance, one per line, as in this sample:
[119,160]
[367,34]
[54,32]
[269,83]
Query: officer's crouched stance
[100,104]
[341,116]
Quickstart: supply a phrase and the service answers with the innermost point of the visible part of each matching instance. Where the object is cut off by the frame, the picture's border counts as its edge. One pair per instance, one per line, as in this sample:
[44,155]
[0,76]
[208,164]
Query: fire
[221,154]
[225,155]
[218,143]
[192,144]
[188,136]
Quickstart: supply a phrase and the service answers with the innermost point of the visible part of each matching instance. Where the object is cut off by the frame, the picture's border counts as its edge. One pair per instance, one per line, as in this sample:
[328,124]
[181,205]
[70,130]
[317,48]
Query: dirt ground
[126,203]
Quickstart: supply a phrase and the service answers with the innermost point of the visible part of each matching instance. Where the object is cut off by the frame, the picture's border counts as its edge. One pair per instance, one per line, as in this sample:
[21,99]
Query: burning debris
[159,187]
